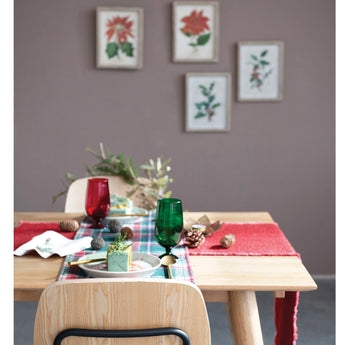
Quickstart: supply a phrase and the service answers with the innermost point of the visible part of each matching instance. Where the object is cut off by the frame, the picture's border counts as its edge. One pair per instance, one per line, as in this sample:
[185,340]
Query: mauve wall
[278,157]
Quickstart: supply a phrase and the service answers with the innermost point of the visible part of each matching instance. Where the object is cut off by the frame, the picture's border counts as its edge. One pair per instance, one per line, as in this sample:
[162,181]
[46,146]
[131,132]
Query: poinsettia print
[119,29]
[195,31]
[195,26]
[119,37]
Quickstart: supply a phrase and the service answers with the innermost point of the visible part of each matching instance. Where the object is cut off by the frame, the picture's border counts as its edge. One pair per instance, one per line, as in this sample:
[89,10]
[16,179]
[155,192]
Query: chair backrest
[121,304]
[75,199]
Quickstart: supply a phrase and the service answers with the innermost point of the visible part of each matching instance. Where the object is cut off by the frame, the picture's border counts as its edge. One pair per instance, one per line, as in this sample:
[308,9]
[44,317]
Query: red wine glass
[97,200]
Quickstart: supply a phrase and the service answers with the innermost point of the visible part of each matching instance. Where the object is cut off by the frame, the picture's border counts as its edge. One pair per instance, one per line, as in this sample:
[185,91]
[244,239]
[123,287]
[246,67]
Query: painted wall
[278,157]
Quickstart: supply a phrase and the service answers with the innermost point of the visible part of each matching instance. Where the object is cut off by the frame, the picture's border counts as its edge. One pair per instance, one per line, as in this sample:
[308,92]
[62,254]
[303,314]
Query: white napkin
[51,242]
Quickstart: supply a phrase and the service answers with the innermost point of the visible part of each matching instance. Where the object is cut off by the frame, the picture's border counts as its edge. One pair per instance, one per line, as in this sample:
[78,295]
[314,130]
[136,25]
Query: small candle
[199,227]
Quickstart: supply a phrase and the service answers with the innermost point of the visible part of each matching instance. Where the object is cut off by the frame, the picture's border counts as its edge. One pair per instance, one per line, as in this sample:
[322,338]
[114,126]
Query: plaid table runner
[143,241]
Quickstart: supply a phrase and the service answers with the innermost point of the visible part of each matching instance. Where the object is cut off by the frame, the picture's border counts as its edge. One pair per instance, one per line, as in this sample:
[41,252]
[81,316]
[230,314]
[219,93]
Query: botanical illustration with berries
[196,27]
[259,72]
[208,106]
[119,30]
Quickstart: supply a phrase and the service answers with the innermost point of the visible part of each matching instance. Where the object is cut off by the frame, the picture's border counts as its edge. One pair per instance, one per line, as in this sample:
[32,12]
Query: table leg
[244,318]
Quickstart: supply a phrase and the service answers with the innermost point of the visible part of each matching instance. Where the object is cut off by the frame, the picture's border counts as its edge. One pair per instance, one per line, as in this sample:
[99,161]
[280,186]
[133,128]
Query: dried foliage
[149,188]
[154,185]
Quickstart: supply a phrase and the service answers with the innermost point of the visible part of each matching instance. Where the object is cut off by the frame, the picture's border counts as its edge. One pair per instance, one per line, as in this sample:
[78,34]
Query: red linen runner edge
[260,239]
[26,231]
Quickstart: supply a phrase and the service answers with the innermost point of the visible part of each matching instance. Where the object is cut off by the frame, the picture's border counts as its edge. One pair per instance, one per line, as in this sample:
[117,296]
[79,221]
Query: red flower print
[121,27]
[195,23]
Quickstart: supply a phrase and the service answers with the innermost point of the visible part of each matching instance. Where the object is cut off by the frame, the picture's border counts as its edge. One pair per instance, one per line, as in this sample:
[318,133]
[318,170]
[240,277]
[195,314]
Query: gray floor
[316,318]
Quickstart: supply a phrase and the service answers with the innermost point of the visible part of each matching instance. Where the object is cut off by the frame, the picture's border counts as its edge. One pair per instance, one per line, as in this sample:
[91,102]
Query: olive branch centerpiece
[148,188]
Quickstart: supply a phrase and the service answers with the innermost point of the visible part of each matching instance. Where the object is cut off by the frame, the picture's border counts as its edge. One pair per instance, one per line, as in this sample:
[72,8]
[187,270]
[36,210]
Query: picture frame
[195,31]
[207,102]
[119,37]
[260,71]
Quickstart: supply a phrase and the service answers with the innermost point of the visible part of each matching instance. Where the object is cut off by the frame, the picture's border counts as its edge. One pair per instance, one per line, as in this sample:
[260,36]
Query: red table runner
[260,239]
[26,231]
[251,239]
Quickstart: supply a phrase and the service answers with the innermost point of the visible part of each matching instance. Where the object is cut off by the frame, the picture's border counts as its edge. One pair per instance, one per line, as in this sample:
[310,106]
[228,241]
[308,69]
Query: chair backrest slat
[120,304]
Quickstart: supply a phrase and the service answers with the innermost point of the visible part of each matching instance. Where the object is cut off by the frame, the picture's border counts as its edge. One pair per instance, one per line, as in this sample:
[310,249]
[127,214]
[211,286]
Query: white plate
[127,219]
[146,265]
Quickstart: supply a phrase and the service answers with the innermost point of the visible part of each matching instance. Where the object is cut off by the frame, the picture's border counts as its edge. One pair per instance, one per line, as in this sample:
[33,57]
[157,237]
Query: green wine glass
[169,224]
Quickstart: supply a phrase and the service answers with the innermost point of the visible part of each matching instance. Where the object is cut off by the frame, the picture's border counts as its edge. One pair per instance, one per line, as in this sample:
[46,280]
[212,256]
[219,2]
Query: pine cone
[195,238]
[70,225]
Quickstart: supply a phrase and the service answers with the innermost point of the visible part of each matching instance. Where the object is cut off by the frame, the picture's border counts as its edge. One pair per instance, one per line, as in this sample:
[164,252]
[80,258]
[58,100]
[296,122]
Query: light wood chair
[88,311]
[75,199]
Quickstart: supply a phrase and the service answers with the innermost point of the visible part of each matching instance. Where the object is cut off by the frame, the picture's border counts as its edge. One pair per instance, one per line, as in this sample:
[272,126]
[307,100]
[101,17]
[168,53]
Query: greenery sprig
[119,244]
[154,185]
[149,188]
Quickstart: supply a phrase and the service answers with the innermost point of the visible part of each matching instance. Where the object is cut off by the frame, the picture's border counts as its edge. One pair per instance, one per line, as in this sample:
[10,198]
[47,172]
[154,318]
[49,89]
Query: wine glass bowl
[97,200]
[168,224]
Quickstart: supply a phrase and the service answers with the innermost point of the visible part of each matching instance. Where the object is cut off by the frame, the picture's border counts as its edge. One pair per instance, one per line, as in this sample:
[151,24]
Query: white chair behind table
[75,199]
[80,310]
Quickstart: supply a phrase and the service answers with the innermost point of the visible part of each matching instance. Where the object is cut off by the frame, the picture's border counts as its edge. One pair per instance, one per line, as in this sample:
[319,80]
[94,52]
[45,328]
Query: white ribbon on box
[51,242]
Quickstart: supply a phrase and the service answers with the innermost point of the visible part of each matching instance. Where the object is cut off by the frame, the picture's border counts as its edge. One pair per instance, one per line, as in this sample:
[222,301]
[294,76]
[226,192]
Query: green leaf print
[216,105]
[198,105]
[127,48]
[206,108]
[264,63]
[112,49]
[199,114]
[257,75]
[203,39]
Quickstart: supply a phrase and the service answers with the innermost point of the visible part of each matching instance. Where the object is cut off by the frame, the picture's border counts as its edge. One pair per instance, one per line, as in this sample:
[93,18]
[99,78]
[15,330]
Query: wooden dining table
[232,280]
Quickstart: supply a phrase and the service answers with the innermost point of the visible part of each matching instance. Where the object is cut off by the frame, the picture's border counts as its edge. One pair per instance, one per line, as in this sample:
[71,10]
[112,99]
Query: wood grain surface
[121,304]
[214,275]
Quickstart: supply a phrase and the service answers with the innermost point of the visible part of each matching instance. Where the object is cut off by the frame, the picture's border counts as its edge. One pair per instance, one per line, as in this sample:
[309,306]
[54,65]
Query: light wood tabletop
[229,279]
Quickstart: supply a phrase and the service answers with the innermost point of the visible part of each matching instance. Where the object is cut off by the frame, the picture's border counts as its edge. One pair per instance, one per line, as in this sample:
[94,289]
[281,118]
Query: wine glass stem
[98,224]
[168,252]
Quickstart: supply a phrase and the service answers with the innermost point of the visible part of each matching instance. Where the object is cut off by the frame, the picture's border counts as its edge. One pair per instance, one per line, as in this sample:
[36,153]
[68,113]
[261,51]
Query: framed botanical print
[207,102]
[119,37]
[195,28]
[260,71]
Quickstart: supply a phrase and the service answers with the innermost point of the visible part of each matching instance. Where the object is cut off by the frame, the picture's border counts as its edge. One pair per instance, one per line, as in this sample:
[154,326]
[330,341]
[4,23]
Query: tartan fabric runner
[143,241]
